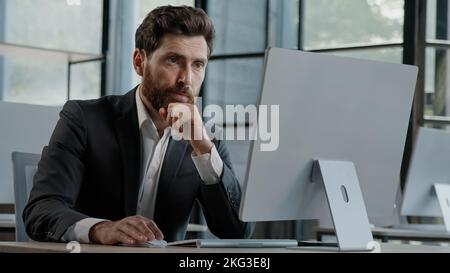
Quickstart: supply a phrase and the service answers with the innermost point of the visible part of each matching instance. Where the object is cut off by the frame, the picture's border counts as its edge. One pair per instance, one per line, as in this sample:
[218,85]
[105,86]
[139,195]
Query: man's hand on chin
[131,230]
[187,124]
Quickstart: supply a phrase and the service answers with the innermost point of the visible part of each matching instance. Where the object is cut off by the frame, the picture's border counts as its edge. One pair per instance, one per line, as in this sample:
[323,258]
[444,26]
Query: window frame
[441,42]
[235,55]
[93,57]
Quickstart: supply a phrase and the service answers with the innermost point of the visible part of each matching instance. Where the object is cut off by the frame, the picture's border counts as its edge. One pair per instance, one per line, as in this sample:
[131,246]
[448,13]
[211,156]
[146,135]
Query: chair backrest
[24,168]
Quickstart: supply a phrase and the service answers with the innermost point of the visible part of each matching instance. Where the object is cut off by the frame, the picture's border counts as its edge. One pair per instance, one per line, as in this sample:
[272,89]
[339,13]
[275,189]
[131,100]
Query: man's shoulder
[113,104]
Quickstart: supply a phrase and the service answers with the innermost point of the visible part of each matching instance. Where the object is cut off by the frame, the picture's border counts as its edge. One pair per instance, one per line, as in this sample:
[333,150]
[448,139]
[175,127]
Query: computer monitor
[331,108]
[429,166]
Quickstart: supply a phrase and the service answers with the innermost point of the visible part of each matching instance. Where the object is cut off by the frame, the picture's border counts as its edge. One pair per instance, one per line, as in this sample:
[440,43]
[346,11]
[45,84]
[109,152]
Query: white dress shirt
[153,150]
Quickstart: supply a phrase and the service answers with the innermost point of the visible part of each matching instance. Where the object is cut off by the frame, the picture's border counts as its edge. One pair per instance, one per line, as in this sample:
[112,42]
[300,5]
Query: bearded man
[113,173]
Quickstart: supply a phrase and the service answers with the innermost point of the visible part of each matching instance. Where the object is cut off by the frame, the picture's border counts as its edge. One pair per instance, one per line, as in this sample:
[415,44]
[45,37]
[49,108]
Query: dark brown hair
[182,20]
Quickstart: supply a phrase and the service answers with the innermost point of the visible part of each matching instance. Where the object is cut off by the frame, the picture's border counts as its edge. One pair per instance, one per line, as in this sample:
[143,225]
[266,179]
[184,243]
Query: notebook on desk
[236,243]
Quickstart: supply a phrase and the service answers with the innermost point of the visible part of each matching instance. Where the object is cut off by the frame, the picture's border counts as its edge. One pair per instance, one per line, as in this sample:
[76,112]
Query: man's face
[175,71]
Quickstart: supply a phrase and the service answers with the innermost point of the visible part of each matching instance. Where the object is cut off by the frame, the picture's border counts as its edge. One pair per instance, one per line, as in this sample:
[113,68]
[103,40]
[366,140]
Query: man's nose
[186,75]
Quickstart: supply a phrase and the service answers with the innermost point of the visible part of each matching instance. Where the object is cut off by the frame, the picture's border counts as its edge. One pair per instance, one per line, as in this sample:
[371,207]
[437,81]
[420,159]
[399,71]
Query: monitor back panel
[330,108]
[430,165]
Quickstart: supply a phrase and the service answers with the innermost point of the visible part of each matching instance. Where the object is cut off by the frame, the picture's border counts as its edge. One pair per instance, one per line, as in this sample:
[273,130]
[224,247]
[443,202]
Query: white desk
[34,247]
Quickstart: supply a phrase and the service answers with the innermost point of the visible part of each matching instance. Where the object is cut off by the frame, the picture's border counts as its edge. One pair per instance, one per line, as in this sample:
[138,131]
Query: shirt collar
[144,118]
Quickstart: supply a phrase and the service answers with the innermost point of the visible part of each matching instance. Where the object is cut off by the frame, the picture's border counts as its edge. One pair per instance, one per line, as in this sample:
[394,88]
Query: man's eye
[199,65]
[172,60]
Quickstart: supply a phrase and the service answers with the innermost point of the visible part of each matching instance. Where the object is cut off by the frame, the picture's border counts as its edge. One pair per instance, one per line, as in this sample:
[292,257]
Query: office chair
[24,168]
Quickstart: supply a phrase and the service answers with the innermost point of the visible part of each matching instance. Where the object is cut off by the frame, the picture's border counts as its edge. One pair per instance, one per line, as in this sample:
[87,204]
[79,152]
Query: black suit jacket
[91,169]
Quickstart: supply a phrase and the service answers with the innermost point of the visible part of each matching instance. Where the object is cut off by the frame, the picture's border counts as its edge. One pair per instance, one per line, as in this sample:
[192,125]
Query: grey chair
[24,168]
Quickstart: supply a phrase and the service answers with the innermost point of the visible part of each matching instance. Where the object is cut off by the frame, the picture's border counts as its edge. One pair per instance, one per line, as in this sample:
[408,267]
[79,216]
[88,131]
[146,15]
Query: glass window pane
[445,127]
[283,24]
[391,55]
[437,95]
[240,25]
[29,82]
[431,19]
[438,23]
[331,23]
[85,81]
[65,27]
[233,82]
[39,79]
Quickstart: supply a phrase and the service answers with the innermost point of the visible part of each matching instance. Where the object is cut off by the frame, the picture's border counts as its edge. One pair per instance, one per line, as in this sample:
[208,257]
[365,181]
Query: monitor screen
[429,166]
[331,108]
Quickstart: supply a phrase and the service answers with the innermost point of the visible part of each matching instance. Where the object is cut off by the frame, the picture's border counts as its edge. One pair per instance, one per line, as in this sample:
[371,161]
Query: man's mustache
[185,90]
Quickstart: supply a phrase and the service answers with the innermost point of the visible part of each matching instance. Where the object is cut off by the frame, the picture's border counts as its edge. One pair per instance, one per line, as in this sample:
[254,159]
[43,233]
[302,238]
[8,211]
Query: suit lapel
[127,130]
[173,159]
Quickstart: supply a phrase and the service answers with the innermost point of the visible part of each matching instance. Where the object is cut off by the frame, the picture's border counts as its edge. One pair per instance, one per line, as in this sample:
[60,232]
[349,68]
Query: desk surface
[35,247]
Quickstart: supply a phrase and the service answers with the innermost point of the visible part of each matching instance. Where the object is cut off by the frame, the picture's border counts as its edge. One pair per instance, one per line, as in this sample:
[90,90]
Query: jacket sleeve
[57,182]
[221,201]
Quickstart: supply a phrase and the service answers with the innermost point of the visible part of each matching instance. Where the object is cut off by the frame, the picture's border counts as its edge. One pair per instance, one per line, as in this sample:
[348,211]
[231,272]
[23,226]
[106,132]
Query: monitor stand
[346,204]
[443,194]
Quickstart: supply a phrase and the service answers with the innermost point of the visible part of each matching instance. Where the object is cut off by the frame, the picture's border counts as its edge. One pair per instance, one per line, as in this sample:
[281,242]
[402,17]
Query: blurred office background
[55,50]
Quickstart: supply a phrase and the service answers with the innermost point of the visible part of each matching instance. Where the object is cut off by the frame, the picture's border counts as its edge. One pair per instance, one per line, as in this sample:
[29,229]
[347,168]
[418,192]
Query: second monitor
[427,191]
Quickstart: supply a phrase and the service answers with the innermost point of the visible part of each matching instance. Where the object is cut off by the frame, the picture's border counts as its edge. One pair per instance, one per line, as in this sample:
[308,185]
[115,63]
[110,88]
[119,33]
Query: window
[369,29]
[437,80]
[240,25]
[330,23]
[38,79]
[235,70]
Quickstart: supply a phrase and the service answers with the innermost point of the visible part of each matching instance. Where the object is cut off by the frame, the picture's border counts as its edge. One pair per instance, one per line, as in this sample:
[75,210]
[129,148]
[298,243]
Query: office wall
[23,128]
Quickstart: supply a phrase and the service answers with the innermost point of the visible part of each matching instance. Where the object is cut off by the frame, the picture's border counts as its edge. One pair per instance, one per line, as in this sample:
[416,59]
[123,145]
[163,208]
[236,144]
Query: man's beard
[161,96]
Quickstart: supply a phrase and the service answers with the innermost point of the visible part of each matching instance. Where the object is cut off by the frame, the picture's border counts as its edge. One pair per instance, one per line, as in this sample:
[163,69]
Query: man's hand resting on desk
[131,230]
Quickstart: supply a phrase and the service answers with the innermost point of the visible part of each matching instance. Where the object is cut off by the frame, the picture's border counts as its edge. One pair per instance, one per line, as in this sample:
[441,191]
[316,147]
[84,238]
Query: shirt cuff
[79,231]
[209,166]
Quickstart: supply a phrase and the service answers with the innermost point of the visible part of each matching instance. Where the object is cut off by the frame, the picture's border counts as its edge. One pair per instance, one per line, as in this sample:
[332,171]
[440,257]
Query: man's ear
[138,62]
